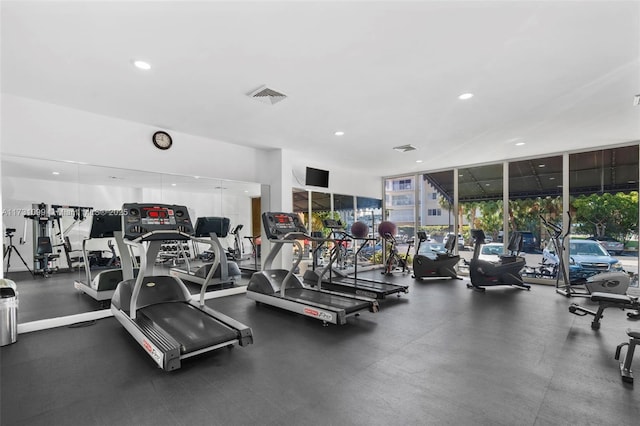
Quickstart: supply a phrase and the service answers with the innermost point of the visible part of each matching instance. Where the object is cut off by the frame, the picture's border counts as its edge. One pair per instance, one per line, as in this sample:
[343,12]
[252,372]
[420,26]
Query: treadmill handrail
[133,304]
[85,259]
[171,234]
[218,259]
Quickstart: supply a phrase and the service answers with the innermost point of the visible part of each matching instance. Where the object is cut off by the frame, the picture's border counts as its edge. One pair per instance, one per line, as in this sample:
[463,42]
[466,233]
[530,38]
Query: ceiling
[553,75]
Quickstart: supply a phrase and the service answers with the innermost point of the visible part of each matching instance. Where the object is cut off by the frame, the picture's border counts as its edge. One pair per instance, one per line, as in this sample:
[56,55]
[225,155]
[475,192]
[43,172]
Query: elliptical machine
[436,265]
[603,282]
[505,272]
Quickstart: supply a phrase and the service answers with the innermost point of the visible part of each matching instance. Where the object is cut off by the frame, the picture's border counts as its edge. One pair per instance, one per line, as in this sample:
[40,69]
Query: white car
[491,252]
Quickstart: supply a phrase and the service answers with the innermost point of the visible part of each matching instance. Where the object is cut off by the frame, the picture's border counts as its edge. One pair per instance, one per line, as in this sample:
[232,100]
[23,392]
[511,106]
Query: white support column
[455,207]
[565,210]
[416,205]
[505,204]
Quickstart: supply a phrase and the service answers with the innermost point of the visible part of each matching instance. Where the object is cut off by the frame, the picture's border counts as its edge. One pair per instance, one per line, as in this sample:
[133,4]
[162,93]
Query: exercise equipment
[11,248]
[284,290]
[220,271]
[625,365]
[255,253]
[604,282]
[348,284]
[387,231]
[158,310]
[505,272]
[44,219]
[607,300]
[102,286]
[436,264]
[237,252]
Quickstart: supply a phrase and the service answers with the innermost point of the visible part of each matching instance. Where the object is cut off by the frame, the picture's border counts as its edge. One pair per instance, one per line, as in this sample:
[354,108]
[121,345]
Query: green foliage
[614,215]
[318,217]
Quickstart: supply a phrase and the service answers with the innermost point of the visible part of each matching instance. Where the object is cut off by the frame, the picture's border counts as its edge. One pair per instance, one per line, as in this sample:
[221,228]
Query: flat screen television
[317,177]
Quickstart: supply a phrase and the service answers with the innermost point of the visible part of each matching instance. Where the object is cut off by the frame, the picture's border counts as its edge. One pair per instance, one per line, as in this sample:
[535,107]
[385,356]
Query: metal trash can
[8,312]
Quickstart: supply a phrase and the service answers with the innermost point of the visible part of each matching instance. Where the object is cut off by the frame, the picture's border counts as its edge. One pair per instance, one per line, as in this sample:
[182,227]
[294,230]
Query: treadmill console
[104,225]
[217,225]
[278,224]
[156,222]
[333,224]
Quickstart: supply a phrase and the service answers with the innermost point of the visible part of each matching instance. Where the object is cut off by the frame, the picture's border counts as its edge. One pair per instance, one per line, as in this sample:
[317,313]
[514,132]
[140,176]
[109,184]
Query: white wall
[341,181]
[36,129]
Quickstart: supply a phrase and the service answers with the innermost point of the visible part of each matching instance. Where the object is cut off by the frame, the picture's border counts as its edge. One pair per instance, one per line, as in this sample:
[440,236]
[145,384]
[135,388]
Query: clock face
[162,140]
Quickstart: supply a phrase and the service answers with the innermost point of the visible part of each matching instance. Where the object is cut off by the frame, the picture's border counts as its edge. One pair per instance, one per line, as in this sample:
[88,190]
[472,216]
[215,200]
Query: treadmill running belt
[316,297]
[378,286]
[191,327]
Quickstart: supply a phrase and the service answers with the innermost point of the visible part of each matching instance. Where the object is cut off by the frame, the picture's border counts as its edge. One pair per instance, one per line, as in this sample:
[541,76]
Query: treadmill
[366,287]
[102,286]
[283,289]
[158,311]
[221,271]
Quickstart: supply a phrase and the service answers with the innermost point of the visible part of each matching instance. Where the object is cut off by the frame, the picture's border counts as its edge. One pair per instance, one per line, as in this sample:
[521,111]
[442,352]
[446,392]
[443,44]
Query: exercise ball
[386,228]
[360,230]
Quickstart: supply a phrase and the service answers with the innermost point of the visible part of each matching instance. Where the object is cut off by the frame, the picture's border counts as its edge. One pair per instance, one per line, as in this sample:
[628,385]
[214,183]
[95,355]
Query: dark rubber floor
[442,354]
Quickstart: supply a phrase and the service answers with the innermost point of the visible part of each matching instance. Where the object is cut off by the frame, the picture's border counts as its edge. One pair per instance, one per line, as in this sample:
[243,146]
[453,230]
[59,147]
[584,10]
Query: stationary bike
[394,261]
[505,272]
[436,265]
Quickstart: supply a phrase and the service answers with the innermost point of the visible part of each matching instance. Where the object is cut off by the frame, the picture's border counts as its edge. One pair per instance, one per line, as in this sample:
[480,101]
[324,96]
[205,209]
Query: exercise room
[319,212]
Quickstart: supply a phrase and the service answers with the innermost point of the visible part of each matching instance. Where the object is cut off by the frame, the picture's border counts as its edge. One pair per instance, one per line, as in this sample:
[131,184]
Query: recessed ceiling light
[246,192]
[541,165]
[339,133]
[465,96]
[460,175]
[173,184]
[418,161]
[142,65]
[487,184]
[520,144]
[55,173]
[552,178]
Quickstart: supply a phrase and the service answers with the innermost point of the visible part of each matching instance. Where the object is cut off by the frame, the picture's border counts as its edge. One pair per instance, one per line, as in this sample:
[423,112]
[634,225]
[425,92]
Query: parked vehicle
[460,240]
[586,258]
[491,252]
[430,248]
[610,244]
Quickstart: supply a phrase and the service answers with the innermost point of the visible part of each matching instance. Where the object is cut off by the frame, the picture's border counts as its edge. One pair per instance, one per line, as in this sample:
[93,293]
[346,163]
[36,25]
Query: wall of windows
[316,206]
[598,189]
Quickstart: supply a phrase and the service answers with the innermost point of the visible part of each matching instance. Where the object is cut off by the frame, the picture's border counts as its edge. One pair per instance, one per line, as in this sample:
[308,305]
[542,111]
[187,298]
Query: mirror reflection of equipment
[220,271]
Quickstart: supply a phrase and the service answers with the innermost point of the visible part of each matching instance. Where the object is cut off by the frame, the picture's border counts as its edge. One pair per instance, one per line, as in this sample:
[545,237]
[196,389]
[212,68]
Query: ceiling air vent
[268,96]
[405,148]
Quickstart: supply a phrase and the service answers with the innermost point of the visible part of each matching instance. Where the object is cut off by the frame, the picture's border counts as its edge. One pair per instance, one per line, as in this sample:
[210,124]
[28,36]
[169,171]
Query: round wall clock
[162,140]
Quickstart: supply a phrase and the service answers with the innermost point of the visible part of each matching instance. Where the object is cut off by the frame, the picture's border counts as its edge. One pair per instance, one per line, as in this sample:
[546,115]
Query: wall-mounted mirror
[62,198]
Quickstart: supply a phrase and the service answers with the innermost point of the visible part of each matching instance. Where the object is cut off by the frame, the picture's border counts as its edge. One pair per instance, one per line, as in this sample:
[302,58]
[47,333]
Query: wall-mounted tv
[317,177]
